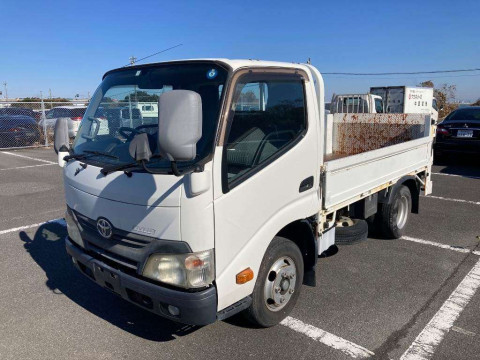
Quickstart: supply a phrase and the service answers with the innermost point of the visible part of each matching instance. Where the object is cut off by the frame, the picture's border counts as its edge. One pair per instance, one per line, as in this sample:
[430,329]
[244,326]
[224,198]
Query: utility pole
[6,93]
[132,59]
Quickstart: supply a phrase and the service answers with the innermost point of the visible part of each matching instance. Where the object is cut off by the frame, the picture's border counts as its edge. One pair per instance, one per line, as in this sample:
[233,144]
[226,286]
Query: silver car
[74,115]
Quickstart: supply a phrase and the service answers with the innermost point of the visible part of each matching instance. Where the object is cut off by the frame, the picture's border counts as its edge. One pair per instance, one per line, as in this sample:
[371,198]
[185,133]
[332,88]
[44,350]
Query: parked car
[38,115]
[18,130]
[74,114]
[17,111]
[459,132]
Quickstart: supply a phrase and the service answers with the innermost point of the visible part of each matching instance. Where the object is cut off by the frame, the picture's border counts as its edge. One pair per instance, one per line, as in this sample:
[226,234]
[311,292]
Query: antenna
[133,60]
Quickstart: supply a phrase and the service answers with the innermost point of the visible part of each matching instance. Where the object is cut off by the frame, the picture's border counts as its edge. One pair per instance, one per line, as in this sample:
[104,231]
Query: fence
[31,124]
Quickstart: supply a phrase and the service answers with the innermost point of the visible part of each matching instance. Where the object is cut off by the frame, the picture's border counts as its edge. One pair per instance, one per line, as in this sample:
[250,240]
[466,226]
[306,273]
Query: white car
[74,114]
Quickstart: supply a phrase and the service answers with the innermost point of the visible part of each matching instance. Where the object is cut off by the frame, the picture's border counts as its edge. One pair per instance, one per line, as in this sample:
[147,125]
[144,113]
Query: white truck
[356,103]
[408,100]
[221,208]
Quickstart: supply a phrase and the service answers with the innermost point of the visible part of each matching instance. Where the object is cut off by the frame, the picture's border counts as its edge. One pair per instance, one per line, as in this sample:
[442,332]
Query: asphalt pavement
[378,298]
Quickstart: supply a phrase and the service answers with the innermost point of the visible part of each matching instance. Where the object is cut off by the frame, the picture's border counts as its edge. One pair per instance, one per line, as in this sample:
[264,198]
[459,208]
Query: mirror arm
[175,168]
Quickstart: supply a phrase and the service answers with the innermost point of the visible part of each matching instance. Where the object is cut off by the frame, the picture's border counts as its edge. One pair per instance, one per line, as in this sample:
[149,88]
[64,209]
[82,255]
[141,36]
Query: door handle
[306,184]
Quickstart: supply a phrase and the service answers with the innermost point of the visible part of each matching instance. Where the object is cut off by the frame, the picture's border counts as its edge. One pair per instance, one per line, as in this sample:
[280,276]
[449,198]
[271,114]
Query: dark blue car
[18,130]
[459,132]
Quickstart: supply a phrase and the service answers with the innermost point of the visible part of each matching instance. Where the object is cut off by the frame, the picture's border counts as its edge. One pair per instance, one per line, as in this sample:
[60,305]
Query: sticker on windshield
[212,74]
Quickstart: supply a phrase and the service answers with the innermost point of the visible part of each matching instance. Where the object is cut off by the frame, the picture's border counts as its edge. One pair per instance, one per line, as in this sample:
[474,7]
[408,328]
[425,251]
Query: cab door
[265,171]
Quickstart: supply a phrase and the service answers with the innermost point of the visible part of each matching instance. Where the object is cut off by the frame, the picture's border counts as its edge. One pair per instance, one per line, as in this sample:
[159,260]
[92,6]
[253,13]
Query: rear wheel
[392,219]
[278,283]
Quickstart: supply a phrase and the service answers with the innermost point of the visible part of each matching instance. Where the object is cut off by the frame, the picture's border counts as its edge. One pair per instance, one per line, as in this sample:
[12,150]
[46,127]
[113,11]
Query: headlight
[73,230]
[192,270]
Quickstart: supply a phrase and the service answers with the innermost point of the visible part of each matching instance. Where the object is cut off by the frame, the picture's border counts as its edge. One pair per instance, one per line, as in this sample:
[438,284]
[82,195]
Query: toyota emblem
[104,228]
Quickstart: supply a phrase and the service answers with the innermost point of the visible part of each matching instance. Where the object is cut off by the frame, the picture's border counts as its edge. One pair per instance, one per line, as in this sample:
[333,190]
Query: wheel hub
[402,212]
[280,283]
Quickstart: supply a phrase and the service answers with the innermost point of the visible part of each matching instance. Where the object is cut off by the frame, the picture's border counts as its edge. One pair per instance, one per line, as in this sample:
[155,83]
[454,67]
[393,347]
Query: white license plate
[465,133]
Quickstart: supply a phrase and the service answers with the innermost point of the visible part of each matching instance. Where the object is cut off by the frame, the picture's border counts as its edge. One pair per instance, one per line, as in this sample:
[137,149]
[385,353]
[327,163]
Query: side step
[235,308]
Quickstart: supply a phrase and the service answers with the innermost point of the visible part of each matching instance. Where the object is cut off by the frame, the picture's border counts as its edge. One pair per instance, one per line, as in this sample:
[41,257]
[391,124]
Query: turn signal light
[244,276]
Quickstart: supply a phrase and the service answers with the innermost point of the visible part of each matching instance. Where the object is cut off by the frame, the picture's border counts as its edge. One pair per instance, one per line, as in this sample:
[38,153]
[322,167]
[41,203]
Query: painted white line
[456,175]
[439,245]
[326,338]
[25,167]
[60,221]
[432,335]
[455,200]
[27,157]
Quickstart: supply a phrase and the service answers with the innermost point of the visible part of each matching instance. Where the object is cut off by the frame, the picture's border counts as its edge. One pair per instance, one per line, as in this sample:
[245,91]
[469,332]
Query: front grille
[114,257]
[121,237]
[125,249]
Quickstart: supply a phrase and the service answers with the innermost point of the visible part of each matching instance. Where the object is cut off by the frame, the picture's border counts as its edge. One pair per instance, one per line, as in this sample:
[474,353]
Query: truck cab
[356,103]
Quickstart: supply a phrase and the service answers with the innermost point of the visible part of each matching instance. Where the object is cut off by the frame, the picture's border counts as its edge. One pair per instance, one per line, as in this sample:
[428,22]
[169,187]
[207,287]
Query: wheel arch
[413,185]
[302,233]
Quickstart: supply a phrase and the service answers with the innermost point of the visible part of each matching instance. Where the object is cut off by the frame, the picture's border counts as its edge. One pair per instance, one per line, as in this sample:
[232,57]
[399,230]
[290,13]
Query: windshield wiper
[88,154]
[112,168]
[75,157]
[100,153]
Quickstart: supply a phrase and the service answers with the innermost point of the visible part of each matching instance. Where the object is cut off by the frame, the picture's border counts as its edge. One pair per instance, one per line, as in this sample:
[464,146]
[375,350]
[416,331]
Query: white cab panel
[139,189]
[197,223]
[164,221]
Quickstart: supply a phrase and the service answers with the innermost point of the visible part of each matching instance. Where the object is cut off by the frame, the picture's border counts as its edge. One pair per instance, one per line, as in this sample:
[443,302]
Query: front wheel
[278,283]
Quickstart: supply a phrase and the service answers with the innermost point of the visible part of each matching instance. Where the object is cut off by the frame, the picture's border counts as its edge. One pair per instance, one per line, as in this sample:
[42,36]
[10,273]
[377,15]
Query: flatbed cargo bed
[349,178]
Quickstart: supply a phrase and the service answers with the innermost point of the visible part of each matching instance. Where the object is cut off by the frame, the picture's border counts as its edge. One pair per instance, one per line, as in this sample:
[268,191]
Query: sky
[67,46]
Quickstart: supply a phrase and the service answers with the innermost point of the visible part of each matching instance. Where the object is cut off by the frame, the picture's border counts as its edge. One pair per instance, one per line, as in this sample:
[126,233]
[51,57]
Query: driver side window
[268,117]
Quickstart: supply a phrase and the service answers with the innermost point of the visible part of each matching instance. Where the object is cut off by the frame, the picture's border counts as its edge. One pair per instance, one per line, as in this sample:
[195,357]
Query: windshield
[379,106]
[126,103]
[465,114]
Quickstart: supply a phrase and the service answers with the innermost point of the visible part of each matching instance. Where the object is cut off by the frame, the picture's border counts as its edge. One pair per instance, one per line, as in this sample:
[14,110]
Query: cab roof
[233,64]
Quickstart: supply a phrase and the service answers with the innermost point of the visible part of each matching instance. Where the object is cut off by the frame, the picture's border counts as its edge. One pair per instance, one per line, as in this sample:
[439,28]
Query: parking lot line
[450,199]
[326,338]
[439,245]
[424,346]
[456,175]
[27,157]
[25,167]
[60,221]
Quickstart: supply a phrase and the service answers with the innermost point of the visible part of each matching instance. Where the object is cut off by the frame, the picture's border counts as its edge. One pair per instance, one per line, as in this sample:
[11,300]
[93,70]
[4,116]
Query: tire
[391,219]
[356,232]
[280,276]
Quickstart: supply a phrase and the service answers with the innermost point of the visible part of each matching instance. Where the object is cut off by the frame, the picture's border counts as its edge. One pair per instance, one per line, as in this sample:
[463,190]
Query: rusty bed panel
[358,133]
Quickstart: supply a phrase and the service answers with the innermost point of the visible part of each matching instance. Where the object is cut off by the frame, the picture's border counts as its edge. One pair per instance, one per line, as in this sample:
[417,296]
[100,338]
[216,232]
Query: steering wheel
[146,126]
[128,132]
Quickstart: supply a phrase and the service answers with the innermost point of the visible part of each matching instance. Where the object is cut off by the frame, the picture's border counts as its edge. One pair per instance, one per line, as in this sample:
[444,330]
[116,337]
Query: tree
[476,103]
[248,97]
[445,95]
[141,96]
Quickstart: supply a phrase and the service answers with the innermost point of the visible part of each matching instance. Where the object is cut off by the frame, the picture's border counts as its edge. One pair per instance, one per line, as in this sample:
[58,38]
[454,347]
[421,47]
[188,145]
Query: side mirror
[61,140]
[179,124]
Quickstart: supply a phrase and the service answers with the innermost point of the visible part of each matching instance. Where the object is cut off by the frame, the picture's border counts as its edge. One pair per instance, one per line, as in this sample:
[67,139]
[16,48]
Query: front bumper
[196,308]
